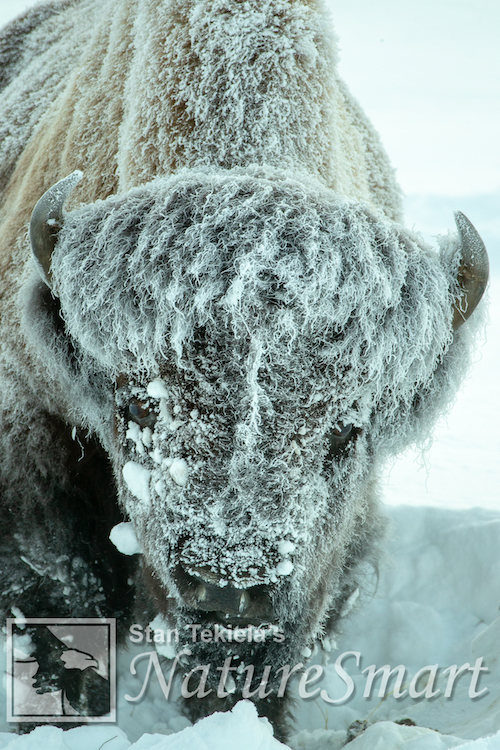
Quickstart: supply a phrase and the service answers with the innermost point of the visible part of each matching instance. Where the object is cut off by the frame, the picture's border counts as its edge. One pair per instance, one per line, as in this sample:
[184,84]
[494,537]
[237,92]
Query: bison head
[256,345]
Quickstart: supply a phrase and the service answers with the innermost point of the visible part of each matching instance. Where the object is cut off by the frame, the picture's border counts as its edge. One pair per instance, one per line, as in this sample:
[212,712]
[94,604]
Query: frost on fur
[274,312]
[235,332]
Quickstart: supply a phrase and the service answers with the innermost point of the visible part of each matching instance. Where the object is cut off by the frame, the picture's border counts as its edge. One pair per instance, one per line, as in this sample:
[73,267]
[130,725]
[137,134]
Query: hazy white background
[428,75]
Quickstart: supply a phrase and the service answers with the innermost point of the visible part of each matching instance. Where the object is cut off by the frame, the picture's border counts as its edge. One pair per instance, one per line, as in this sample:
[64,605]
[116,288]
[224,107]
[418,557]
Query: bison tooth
[201,593]
[244,602]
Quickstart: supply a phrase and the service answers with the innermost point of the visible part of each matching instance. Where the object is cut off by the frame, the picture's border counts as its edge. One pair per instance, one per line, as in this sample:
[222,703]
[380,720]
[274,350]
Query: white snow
[123,537]
[23,646]
[147,437]
[388,735]
[134,433]
[436,604]
[81,738]
[284,568]
[157,389]
[163,638]
[179,471]
[286,548]
[137,479]
[16,612]
[239,729]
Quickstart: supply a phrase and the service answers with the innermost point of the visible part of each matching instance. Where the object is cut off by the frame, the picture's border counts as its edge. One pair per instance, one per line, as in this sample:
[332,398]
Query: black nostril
[227,601]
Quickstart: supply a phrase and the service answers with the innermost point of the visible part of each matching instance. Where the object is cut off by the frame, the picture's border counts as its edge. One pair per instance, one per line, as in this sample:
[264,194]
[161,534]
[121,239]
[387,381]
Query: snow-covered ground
[435,611]
[426,75]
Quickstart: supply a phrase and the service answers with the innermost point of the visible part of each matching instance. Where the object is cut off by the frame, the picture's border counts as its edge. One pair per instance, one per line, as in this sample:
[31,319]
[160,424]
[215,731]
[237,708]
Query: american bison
[221,336]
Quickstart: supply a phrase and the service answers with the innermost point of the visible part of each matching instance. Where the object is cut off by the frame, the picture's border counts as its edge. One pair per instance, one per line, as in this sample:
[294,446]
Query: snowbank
[435,612]
[436,607]
[241,728]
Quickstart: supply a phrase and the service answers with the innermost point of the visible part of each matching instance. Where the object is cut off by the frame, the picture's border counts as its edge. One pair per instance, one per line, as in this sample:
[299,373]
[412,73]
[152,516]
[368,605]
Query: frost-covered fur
[239,269]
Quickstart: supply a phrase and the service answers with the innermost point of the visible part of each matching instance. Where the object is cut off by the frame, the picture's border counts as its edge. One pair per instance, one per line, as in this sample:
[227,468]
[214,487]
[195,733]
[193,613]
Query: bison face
[238,474]
[270,343]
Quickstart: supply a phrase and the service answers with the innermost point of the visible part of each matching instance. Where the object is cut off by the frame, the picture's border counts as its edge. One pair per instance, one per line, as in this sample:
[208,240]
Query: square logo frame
[71,653]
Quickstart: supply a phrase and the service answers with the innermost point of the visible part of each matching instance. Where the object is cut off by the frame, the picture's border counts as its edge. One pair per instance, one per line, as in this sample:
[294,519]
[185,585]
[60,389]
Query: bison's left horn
[473,272]
[47,220]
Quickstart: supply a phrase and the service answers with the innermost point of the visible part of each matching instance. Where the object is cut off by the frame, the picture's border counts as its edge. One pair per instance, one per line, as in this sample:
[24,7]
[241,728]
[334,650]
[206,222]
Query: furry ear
[45,325]
[87,391]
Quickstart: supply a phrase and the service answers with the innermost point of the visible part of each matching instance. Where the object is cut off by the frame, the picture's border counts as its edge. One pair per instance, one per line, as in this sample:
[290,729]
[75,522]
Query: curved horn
[473,272]
[47,220]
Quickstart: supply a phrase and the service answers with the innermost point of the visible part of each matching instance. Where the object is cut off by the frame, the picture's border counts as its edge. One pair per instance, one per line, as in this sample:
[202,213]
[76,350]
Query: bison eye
[340,437]
[140,413]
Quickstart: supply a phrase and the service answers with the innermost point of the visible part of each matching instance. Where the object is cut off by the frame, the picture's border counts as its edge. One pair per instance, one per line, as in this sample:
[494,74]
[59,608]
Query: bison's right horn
[47,220]
[473,272]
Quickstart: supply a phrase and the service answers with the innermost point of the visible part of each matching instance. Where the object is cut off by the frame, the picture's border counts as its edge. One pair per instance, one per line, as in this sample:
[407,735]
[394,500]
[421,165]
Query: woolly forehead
[246,260]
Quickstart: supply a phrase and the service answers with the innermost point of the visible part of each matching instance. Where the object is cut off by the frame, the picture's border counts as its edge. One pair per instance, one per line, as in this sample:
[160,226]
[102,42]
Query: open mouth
[224,620]
[226,605]
[213,607]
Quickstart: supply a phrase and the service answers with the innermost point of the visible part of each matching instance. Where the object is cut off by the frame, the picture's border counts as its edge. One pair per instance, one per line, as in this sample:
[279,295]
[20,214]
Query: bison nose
[252,605]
